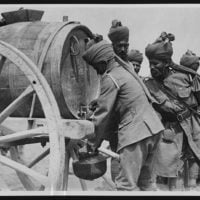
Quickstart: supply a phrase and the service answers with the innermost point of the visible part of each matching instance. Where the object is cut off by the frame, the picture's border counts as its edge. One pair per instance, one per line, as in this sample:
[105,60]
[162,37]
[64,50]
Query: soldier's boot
[175,184]
[193,169]
[149,187]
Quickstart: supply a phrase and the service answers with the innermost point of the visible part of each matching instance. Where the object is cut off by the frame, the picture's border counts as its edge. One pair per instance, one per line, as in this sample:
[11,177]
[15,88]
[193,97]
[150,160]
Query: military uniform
[186,127]
[181,85]
[138,126]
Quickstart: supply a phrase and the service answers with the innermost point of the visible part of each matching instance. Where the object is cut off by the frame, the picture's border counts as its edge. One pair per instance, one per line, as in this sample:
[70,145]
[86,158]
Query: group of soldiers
[153,123]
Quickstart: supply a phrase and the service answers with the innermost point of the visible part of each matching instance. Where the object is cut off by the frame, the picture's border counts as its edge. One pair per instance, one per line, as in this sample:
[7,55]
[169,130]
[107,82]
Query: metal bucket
[90,168]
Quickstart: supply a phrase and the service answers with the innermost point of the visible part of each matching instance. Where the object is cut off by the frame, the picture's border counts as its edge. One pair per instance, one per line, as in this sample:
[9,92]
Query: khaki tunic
[169,161]
[181,85]
[122,95]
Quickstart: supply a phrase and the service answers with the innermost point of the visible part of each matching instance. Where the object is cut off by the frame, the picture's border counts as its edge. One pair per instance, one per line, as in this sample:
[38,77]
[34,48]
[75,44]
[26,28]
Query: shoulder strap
[183,69]
[113,79]
[126,66]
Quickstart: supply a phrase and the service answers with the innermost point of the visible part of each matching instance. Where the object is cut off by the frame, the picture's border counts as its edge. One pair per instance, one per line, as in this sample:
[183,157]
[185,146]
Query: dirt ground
[10,181]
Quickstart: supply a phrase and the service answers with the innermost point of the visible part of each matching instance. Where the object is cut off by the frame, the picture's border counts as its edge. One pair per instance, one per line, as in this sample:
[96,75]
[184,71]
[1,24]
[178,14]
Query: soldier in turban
[172,88]
[119,35]
[190,59]
[136,58]
[138,126]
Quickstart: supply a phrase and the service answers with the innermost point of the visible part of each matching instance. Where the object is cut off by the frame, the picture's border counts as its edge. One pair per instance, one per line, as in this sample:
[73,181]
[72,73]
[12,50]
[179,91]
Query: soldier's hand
[75,145]
[178,106]
[92,149]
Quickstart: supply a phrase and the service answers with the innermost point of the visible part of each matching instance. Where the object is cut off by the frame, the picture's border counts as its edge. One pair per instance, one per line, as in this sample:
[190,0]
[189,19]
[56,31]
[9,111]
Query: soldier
[136,58]
[191,60]
[172,88]
[119,36]
[138,125]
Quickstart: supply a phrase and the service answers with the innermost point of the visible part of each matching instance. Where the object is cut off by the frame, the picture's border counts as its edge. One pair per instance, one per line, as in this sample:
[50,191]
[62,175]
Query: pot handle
[109,153]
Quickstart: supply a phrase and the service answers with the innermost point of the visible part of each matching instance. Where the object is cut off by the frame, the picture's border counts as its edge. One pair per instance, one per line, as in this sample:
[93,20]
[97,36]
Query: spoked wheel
[52,131]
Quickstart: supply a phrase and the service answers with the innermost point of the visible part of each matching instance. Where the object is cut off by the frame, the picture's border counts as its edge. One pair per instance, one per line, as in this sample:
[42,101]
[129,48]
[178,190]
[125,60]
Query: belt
[183,115]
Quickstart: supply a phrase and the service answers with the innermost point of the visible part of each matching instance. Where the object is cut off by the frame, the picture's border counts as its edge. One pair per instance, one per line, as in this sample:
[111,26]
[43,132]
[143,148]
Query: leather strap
[49,41]
[179,99]
[128,67]
[184,69]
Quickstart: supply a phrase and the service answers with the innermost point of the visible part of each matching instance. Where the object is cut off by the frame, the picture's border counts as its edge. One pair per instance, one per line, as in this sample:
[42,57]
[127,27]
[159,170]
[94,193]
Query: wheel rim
[51,112]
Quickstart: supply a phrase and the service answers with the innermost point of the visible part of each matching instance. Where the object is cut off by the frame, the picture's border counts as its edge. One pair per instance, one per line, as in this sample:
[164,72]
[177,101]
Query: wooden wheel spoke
[38,158]
[16,103]
[23,169]
[24,134]
[2,61]
[32,106]
[54,125]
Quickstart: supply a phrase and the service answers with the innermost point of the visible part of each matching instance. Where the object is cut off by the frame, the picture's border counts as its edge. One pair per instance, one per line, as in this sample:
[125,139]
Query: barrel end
[22,15]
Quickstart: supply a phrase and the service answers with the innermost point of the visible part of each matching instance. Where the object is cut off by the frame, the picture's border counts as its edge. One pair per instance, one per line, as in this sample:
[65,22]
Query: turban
[101,51]
[161,49]
[95,38]
[118,32]
[135,55]
[188,59]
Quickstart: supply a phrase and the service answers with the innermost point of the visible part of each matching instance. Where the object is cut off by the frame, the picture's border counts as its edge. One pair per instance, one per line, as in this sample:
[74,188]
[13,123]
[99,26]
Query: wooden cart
[45,82]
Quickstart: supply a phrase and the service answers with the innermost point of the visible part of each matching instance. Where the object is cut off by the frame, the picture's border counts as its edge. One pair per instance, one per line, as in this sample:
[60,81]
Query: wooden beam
[24,134]
[21,99]
[73,128]
[78,129]
[23,169]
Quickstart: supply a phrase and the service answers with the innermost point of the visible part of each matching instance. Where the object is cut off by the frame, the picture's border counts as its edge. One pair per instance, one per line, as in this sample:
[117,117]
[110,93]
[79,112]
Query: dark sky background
[145,22]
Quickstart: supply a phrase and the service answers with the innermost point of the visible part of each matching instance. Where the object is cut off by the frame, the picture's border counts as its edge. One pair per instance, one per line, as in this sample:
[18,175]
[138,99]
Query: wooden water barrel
[56,48]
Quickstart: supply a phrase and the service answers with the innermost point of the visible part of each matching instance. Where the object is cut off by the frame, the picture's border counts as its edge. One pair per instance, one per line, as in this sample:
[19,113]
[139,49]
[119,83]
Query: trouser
[136,165]
[193,169]
[115,168]
[190,168]
[188,178]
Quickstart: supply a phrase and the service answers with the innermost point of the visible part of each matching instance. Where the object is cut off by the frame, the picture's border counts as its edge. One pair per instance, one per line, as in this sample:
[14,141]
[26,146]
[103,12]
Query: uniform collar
[111,65]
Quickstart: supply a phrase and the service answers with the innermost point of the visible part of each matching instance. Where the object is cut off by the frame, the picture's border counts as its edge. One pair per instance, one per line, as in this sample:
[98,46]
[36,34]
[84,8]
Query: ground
[9,180]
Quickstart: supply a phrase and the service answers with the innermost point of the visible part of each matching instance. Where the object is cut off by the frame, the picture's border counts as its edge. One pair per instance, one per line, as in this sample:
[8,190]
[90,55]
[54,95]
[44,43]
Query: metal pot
[90,168]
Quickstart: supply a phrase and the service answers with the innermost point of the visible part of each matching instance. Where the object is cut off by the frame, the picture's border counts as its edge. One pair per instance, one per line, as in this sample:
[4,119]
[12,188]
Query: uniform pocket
[126,120]
[151,124]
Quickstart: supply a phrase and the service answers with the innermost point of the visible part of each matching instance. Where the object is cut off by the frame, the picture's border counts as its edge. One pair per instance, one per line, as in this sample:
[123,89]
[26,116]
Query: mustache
[122,52]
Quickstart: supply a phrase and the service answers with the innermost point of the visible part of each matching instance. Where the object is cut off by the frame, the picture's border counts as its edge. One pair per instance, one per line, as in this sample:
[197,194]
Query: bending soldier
[138,125]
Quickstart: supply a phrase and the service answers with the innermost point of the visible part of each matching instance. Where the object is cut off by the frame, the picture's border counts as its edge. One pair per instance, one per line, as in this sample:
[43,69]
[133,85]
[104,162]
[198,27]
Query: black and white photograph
[99,99]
